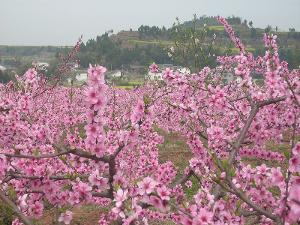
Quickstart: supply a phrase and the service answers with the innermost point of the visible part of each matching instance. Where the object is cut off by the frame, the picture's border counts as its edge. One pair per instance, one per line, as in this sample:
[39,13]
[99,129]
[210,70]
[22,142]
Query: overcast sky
[61,22]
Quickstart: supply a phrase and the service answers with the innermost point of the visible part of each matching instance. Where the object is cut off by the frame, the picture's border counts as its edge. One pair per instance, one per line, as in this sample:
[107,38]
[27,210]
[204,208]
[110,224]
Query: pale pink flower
[96,180]
[99,150]
[276,176]
[22,202]
[204,217]
[66,217]
[92,95]
[36,209]
[30,75]
[188,184]
[83,189]
[96,75]
[157,203]
[146,186]
[294,164]
[296,149]
[120,197]
[153,68]
[294,203]
[92,130]
[99,105]
[163,193]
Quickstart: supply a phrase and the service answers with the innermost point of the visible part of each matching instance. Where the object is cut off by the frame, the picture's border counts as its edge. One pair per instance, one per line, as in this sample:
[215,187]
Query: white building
[2,68]
[41,65]
[82,77]
[184,70]
[155,76]
[162,67]
[116,74]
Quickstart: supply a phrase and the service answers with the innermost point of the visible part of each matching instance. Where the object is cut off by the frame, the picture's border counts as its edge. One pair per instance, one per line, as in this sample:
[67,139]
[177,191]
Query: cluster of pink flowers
[138,112]
[294,163]
[231,34]
[261,154]
[96,100]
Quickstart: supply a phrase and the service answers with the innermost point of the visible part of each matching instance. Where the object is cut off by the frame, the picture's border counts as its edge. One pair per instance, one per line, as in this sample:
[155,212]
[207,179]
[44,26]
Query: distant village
[78,75]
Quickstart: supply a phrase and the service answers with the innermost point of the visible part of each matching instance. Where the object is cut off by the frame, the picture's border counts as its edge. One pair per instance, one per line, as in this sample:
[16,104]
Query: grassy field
[150,42]
[217,28]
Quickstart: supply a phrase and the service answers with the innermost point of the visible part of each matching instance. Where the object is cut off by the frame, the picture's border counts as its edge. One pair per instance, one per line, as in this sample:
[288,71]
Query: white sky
[61,22]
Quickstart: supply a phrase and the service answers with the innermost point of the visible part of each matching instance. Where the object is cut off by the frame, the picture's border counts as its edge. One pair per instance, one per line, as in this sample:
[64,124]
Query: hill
[132,49]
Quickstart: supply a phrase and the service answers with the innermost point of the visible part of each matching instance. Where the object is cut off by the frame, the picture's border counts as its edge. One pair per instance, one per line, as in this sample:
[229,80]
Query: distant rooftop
[2,68]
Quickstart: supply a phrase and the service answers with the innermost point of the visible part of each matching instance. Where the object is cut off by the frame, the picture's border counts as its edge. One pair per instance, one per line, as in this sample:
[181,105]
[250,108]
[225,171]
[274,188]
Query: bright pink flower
[17,222]
[99,150]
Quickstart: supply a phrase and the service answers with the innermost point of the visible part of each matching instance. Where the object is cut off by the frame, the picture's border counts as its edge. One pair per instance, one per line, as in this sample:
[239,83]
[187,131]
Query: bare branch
[243,197]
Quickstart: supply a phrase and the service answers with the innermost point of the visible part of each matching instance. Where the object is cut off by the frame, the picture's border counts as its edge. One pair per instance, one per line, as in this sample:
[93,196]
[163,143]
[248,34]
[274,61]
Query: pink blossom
[96,180]
[36,209]
[83,189]
[146,186]
[296,149]
[153,68]
[92,130]
[294,203]
[120,197]
[31,76]
[138,112]
[92,95]
[3,165]
[17,222]
[276,176]
[163,193]
[188,184]
[294,164]
[66,217]
[157,203]
[96,75]
[204,217]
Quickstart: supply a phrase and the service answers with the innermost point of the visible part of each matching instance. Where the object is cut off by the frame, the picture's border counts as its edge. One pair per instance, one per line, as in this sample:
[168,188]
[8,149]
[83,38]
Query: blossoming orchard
[71,146]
